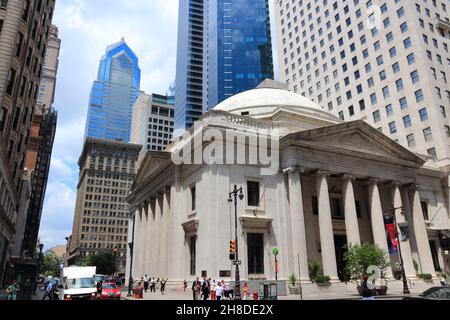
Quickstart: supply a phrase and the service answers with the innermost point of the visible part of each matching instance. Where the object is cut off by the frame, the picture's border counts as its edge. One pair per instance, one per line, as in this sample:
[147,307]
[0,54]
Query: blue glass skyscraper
[114,94]
[224,48]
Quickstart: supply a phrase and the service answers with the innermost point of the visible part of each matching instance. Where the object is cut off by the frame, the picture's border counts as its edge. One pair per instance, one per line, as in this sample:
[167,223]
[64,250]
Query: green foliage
[322,279]
[358,258]
[103,261]
[293,280]
[416,266]
[314,269]
[426,276]
[50,265]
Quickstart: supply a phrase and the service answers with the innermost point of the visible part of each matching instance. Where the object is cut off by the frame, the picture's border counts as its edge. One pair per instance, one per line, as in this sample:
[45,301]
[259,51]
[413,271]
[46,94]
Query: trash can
[273,291]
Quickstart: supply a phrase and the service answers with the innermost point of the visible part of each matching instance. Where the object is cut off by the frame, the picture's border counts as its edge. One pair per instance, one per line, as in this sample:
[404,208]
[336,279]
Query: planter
[323,285]
[382,291]
[373,292]
[294,290]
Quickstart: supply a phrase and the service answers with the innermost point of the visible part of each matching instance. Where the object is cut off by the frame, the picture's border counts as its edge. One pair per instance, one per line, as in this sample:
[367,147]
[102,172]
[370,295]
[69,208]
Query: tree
[50,264]
[103,261]
[359,258]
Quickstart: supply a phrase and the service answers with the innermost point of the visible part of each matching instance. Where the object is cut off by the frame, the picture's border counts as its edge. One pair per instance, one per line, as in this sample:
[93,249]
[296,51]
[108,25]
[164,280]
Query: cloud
[86,28]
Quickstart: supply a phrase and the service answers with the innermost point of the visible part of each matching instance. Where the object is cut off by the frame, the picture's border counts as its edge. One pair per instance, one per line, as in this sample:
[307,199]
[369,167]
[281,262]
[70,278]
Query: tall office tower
[152,125]
[386,62]
[224,48]
[114,94]
[24,31]
[46,94]
[107,170]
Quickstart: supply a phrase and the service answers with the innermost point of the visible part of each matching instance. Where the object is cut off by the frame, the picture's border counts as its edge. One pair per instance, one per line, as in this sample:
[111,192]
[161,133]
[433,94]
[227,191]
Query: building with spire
[113,94]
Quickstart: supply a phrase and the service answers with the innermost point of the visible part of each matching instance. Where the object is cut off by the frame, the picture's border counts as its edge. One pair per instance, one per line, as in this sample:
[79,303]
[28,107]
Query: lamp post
[114,266]
[131,245]
[38,267]
[233,197]
[388,214]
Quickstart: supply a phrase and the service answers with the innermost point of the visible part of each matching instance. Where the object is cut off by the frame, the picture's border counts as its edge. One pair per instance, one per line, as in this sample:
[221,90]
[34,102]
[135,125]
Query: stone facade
[107,169]
[334,182]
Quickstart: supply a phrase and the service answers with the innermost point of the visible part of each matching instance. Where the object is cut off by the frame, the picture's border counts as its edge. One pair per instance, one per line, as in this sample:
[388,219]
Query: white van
[78,283]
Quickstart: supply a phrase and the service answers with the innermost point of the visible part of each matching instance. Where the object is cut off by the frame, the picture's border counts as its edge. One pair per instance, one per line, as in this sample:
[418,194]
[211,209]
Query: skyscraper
[24,32]
[114,94]
[386,62]
[224,48]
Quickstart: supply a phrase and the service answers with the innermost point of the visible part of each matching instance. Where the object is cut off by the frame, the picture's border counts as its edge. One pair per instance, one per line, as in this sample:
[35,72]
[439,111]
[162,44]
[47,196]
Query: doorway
[340,244]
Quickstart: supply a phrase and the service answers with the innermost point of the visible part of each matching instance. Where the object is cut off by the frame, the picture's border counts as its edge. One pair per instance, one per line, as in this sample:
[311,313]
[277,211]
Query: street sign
[275,251]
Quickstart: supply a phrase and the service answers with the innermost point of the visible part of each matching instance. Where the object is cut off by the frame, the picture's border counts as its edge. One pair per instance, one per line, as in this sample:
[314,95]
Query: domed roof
[269,97]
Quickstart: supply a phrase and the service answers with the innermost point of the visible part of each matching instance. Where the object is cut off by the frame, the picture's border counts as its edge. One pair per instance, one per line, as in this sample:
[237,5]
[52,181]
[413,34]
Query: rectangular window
[253,193]
[192,253]
[411,140]
[193,198]
[255,245]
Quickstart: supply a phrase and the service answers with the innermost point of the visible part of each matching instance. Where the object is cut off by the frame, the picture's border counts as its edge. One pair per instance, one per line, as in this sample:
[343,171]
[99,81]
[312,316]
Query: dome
[269,97]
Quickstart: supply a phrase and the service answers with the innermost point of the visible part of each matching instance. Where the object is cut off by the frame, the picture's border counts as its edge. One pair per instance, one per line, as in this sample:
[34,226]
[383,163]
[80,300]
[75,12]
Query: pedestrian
[145,283]
[205,290]
[213,290]
[48,291]
[196,287]
[246,291]
[443,281]
[185,285]
[163,285]
[219,291]
[153,285]
[12,290]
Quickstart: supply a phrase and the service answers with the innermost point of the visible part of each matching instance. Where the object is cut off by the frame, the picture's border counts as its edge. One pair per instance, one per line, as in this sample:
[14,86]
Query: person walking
[205,290]
[12,290]
[145,283]
[246,291]
[48,291]
[153,285]
[213,290]
[219,291]
[163,285]
[196,287]
[184,286]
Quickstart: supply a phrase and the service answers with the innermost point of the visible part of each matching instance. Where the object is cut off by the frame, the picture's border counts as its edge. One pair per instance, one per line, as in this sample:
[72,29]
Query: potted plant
[359,258]
[293,288]
[322,281]
[426,277]
[314,269]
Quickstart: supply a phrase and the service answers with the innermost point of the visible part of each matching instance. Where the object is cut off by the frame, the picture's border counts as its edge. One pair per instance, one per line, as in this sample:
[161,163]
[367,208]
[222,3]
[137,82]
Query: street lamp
[391,214]
[38,268]
[114,267]
[233,197]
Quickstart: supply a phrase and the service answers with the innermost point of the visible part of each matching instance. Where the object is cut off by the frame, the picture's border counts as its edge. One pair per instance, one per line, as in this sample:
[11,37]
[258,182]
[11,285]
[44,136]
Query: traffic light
[232,249]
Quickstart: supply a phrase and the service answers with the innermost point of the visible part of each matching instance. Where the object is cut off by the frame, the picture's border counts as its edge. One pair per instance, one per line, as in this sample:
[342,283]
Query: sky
[86,28]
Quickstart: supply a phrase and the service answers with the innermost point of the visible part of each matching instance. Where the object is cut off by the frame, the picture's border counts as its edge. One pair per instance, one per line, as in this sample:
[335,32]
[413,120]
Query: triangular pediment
[151,163]
[355,138]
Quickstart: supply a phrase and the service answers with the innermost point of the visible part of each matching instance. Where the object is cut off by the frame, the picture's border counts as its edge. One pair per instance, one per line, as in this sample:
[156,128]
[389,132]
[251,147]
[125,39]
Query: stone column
[376,215]
[420,231]
[137,245]
[298,229]
[148,237]
[164,236]
[326,227]
[156,245]
[405,246]
[351,216]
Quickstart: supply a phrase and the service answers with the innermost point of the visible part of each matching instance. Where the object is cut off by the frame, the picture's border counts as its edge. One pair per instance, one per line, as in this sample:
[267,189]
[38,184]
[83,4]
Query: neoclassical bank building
[333,184]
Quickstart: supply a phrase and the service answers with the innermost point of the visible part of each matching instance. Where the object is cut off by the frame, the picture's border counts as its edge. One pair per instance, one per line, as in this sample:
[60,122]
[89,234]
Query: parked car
[436,293]
[110,291]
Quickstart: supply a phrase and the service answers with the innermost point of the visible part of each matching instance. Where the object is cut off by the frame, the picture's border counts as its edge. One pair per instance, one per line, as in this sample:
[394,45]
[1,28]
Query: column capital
[348,177]
[413,186]
[372,181]
[294,169]
[396,184]
[322,173]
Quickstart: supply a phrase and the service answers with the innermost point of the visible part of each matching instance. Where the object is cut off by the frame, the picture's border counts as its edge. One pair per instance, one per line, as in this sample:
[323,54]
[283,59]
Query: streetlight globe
[41,247]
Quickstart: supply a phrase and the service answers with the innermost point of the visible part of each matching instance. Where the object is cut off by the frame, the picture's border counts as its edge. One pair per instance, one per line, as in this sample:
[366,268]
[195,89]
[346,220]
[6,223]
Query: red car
[110,291]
